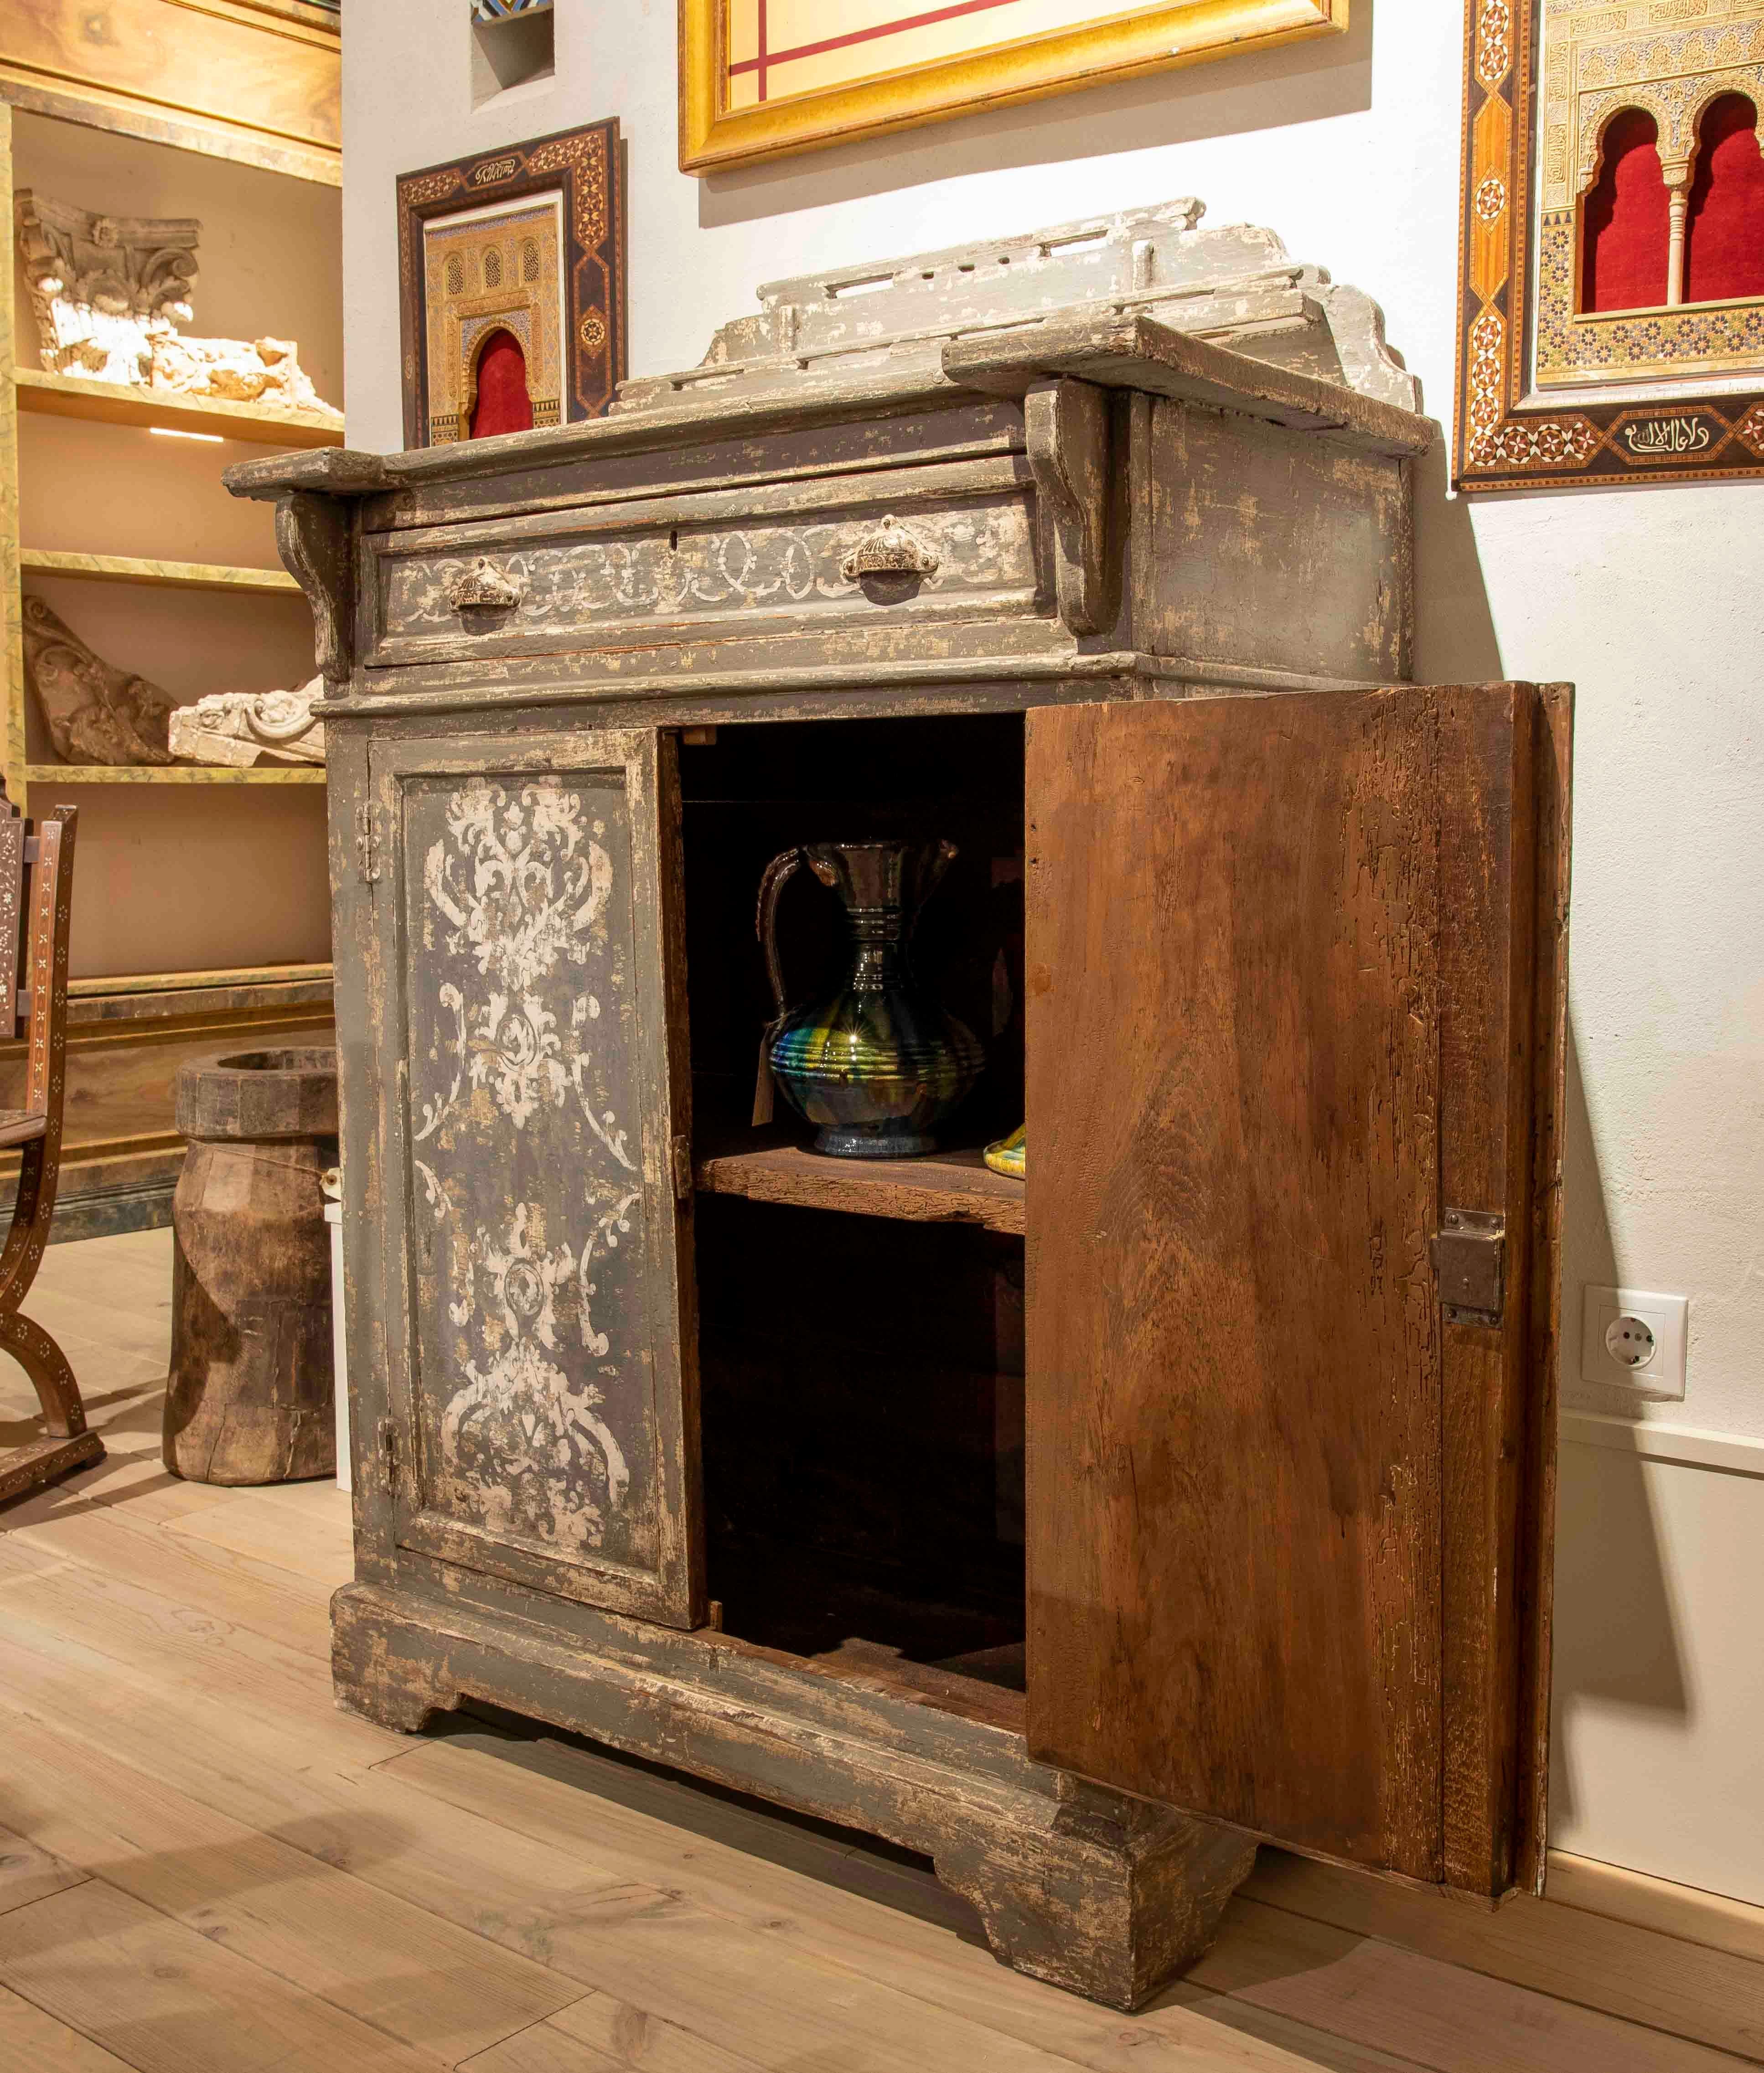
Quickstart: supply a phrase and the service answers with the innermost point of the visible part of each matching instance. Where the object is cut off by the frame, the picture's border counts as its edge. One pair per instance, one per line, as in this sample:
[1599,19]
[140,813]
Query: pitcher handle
[765,921]
[933,860]
[777,875]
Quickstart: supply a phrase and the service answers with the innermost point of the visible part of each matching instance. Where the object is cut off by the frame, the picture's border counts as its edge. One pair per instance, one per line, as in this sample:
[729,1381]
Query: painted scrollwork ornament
[523,1448]
[518,883]
[524,883]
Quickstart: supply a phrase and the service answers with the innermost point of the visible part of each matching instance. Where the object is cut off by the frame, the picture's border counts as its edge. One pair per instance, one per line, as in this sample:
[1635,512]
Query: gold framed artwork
[1611,292]
[759,78]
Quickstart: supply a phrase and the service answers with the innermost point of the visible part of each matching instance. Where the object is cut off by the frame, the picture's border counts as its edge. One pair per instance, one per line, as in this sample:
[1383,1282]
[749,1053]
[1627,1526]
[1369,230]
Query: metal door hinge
[682,1151]
[1470,1257]
[389,1454]
[367,842]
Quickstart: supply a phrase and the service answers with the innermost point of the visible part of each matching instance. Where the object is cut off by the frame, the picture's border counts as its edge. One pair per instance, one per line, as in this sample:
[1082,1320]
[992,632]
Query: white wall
[1649,598]
[1657,1760]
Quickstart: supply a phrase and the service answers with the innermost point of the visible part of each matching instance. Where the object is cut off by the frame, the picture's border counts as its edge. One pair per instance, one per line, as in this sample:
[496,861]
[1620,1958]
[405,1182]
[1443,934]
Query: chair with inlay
[36,892]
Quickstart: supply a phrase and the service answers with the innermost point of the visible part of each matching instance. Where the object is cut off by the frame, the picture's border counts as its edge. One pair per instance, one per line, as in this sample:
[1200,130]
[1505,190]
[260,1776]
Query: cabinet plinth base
[1087,1888]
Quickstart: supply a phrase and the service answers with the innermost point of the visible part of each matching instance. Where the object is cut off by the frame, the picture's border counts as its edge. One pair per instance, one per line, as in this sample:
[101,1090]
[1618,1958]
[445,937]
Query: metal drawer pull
[484,584]
[890,550]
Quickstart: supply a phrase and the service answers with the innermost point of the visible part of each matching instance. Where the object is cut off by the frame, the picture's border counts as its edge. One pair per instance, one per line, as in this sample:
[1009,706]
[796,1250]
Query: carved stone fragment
[241,728]
[265,371]
[108,292]
[103,288]
[95,712]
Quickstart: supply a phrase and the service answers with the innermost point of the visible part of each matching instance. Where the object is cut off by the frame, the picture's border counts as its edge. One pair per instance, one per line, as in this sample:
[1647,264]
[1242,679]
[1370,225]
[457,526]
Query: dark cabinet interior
[862,1384]
[861,1374]
[757,790]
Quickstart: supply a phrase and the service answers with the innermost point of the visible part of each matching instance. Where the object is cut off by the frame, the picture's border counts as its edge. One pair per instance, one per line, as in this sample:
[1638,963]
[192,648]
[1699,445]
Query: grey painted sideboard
[1076,1536]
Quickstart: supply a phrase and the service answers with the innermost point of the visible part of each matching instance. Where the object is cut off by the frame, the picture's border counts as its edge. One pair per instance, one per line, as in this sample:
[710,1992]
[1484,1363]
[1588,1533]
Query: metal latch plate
[1470,1257]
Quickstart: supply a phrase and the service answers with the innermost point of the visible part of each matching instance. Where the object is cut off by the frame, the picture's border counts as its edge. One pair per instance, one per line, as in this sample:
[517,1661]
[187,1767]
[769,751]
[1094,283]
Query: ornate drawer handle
[890,550]
[484,584]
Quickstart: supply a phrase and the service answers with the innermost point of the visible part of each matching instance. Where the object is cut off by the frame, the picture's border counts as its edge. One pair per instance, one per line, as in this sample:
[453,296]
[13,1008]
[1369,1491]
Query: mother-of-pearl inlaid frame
[1545,396]
[564,195]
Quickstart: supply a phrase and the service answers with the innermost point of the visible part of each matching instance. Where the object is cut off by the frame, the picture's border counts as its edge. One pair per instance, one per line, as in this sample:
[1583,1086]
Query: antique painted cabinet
[1078,1533]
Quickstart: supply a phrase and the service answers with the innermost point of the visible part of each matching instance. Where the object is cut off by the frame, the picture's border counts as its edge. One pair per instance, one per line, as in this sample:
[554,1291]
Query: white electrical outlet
[1634,1340]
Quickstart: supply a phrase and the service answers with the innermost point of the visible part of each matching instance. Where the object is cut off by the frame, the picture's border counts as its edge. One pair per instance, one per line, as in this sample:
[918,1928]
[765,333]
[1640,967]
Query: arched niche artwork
[1612,268]
[1664,230]
[528,240]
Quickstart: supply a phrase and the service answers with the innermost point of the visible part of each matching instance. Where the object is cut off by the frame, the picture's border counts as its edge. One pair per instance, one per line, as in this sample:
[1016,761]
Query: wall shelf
[174,774]
[168,971]
[129,568]
[111,403]
[310,976]
[950,1187]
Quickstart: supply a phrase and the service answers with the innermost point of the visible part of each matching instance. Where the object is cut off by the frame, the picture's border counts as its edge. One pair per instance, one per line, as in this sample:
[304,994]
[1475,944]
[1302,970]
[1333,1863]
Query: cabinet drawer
[621,578]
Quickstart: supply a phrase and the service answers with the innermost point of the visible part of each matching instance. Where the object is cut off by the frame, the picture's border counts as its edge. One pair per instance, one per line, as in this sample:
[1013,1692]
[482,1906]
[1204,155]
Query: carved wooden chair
[36,892]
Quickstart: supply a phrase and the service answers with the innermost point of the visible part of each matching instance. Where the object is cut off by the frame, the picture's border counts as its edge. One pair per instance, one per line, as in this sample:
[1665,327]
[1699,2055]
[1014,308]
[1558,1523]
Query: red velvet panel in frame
[502,403]
[1724,232]
[1626,220]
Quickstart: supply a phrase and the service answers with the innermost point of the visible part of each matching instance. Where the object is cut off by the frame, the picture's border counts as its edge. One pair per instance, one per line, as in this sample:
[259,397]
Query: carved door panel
[1295,988]
[535,1123]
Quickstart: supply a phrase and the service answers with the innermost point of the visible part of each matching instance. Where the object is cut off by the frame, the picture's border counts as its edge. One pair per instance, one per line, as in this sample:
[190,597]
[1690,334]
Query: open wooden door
[1295,971]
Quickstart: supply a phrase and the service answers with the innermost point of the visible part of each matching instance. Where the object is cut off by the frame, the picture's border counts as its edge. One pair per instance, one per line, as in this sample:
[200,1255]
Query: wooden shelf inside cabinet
[113,403]
[177,773]
[950,1187]
[176,576]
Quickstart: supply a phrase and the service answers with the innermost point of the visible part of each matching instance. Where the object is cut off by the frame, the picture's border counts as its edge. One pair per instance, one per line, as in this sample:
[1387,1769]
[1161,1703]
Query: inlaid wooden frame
[1509,434]
[1091,41]
[585,168]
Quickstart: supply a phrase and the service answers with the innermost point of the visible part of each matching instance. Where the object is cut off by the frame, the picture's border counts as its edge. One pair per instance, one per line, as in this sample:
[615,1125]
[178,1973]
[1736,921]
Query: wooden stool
[36,877]
[250,1398]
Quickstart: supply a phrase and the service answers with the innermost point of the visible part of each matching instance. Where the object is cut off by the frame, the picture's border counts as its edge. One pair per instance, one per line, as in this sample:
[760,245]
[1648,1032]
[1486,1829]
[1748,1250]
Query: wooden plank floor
[204,1868]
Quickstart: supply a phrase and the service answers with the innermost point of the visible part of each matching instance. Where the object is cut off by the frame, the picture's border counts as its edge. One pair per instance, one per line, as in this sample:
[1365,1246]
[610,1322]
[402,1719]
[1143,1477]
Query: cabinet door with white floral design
[535,1090]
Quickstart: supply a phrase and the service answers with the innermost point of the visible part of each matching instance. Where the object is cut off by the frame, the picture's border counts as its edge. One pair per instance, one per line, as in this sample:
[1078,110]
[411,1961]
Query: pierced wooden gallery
[1076,1531]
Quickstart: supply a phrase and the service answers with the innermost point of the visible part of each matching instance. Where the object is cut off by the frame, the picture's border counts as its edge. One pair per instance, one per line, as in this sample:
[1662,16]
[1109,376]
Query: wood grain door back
[1242,949]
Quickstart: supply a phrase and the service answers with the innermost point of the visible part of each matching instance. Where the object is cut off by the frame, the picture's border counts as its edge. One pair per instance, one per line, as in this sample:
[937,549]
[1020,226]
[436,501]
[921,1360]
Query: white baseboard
[1660,1442]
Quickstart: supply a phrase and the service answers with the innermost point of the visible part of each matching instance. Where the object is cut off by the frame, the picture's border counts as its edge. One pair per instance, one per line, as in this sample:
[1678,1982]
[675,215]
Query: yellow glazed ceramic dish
[1009,1155]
